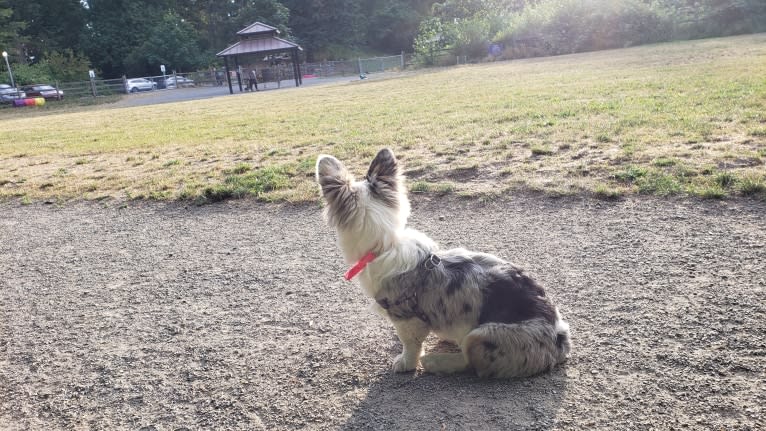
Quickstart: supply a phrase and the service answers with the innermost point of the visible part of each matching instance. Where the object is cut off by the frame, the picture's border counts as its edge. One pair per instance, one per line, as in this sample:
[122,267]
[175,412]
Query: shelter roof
[258,28]
[260,45]
[258,38]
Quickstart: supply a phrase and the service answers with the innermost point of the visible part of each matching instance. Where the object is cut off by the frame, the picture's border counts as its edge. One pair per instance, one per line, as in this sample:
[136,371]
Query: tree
[10,27]
[393,25]
[460,9]
[67,65]
[431,39]
[217,22]
[114,28]
[327,28]
[51,25]
[172,42]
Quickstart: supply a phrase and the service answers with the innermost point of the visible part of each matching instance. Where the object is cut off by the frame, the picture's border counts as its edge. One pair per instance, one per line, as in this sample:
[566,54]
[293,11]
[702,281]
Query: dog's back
[512,327]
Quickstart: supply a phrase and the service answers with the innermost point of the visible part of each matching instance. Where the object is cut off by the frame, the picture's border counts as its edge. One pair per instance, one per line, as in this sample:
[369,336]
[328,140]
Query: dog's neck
[366,238]
[401,253]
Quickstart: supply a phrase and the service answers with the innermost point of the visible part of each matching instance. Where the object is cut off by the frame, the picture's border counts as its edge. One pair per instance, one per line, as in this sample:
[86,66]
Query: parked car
[178,81]
[135,85]
[8,94]
[43,90]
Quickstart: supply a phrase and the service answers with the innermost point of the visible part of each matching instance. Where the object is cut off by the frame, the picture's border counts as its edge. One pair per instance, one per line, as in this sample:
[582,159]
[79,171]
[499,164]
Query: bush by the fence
[565,26]
[709,18]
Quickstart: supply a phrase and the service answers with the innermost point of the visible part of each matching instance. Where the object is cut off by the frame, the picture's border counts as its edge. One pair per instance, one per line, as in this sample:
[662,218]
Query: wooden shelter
[260,39]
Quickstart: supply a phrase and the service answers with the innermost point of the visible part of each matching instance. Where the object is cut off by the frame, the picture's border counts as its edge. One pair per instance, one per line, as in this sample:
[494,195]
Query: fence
[214,77]
[381,64]
[109,87]
[441,57]
[94,88]
[327,69]
[357,67]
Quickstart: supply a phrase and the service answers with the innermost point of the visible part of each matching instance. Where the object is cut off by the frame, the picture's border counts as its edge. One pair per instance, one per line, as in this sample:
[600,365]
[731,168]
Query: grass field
[678,118]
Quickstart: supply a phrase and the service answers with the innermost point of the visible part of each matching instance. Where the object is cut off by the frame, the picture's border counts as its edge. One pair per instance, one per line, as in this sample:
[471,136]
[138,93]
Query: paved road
[197,93]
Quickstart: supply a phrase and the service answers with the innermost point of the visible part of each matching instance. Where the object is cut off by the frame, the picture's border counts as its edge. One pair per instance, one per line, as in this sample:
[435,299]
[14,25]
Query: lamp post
[5,56]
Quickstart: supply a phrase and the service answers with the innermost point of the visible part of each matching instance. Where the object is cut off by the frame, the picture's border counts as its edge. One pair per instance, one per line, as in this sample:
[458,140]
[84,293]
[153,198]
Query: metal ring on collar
[432,262]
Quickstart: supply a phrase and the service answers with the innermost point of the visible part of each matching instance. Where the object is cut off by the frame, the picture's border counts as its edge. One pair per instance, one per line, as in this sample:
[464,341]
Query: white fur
[382,230]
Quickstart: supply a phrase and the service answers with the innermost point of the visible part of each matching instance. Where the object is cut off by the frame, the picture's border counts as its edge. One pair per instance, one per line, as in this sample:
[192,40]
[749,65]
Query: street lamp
[5,56]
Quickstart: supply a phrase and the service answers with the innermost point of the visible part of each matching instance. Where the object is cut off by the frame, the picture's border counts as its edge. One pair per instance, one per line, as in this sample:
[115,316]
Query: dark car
[43,90]
[8,94]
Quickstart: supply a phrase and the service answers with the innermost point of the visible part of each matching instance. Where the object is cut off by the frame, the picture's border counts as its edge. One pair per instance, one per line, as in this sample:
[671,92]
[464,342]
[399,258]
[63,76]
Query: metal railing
[359,66]
[381,64]
[328,69]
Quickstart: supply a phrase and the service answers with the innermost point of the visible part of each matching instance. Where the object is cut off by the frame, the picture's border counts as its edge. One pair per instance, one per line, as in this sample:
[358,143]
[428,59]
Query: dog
[499,317]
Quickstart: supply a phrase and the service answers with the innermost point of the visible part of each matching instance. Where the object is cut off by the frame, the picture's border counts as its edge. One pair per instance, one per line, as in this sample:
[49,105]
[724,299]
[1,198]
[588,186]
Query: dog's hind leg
[412,333]
[444,363]
[514,349]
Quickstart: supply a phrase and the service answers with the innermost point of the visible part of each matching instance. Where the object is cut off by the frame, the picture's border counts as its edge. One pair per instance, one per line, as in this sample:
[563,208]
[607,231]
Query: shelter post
[298,66]
[239,75]
[228,73]
[295,69]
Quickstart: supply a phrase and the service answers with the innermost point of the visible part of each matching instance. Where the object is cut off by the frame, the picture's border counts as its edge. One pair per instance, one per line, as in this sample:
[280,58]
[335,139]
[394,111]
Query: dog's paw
[402,365]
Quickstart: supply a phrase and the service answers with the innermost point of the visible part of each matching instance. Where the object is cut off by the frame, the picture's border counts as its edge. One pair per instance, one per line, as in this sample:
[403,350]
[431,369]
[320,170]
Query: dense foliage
[61,39]
[548,27]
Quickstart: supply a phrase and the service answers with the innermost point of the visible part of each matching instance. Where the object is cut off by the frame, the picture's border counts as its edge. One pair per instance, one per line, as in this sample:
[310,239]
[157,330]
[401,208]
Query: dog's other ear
[384,169]
[331,175]
[386,182]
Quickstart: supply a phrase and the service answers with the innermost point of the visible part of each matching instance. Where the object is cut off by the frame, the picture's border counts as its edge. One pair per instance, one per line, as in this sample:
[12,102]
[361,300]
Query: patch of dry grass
[682,113]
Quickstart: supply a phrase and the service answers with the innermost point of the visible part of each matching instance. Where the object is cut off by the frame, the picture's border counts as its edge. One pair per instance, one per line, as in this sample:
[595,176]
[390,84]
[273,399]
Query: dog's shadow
[457,402]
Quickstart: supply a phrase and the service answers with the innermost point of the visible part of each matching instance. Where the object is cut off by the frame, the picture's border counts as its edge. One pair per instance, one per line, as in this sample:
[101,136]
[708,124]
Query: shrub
[561,27]
[471,37]
[431,39]
[31,74]
[56,66]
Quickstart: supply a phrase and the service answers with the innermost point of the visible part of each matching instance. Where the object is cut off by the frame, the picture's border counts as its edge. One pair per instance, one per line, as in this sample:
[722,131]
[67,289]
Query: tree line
[63,39]
[134,37]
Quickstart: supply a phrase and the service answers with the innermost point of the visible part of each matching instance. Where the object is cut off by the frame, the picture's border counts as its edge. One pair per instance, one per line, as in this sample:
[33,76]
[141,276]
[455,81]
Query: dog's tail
[563,339]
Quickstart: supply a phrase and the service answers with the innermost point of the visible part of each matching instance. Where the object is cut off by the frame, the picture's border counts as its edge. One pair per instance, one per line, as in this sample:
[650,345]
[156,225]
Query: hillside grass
[668,119]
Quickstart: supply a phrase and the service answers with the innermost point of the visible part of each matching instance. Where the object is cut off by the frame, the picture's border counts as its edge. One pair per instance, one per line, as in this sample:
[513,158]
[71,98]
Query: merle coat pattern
[501,319]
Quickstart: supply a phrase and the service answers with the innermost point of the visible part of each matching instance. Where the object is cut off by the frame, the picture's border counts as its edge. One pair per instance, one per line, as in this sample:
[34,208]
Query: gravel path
[235,316]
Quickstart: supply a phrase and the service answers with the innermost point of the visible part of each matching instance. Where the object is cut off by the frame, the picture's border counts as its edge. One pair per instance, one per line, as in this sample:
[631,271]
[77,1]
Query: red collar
[359,266]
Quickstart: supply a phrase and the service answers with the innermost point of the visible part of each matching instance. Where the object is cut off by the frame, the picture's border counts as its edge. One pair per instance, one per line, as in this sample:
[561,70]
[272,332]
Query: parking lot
[198,93]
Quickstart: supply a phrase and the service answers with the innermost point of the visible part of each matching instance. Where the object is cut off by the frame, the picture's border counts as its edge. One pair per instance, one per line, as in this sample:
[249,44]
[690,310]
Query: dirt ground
[235,316]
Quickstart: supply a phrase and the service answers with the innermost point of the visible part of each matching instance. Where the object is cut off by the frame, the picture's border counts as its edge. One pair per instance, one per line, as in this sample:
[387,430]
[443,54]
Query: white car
[8,94]
[135,85]
[181,82]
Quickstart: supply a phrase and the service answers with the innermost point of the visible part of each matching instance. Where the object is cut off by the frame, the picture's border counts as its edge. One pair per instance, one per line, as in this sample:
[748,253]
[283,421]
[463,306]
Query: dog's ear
[386,181]
[384,169]
[335,182]
[331,175]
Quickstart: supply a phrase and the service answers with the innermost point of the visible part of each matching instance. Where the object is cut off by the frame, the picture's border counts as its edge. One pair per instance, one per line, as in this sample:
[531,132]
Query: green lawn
[677,118]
